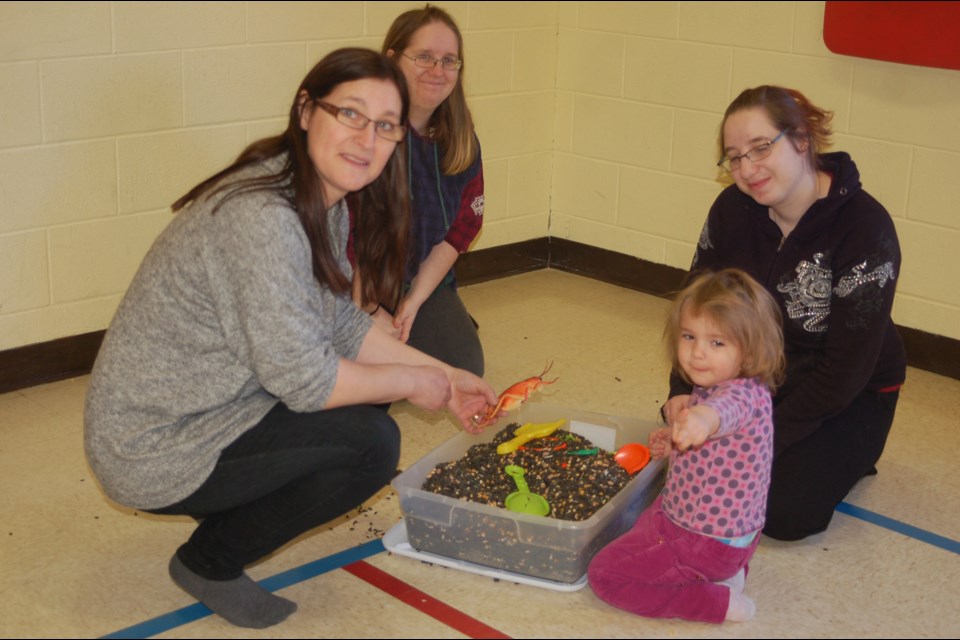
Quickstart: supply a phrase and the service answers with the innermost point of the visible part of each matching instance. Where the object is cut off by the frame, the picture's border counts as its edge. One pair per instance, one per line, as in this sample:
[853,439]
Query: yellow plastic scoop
[528,432]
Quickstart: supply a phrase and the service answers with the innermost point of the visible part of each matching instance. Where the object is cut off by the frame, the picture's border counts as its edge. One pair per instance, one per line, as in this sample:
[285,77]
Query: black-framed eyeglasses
[356,120]
[427,61]
[759,152]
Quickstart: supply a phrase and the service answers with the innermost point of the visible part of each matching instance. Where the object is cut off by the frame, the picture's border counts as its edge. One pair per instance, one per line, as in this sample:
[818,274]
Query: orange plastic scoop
[632,457]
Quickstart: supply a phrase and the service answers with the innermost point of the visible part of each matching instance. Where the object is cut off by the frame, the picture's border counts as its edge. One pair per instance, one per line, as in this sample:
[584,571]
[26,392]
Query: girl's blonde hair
[451,124]
[742,309]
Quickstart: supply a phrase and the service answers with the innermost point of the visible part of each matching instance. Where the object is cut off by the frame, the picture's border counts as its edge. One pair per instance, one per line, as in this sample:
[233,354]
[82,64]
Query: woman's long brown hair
[382,208]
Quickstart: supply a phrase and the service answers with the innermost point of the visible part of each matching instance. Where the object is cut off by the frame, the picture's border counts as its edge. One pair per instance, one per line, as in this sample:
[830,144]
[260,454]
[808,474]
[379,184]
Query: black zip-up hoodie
[834,278]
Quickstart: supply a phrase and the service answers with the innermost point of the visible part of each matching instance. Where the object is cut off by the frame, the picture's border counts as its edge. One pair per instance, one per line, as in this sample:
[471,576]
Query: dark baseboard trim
[68,357]
[615,268]
[930,352]
[48,361]
[502,261]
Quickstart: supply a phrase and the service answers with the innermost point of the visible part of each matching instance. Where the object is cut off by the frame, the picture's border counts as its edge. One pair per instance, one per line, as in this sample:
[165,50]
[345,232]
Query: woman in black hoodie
[799,222]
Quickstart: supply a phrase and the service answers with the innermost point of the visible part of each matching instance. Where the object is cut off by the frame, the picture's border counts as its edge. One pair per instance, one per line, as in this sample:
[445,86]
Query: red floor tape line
[419,600]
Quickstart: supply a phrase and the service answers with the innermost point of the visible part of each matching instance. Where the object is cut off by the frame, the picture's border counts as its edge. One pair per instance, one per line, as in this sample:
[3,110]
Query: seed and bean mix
[574,476]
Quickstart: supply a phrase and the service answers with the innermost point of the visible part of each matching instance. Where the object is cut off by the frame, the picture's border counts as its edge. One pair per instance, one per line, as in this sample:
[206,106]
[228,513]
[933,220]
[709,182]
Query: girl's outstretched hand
[692,427]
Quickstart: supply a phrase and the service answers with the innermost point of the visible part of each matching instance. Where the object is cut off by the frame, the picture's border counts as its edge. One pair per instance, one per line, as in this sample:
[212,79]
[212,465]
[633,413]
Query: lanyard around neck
[436,171]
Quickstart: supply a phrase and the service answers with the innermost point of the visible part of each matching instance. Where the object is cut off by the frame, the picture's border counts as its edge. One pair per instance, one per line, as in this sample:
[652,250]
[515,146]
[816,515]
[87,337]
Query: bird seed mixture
[574,476]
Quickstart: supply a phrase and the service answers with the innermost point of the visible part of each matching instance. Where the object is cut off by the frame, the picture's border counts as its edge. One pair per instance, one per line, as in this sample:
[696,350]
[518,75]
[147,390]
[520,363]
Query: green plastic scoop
[521,500]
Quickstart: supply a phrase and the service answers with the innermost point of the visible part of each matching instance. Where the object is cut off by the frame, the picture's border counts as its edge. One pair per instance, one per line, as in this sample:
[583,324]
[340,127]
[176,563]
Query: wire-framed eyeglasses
[427,61]
[356,120]
[759,152]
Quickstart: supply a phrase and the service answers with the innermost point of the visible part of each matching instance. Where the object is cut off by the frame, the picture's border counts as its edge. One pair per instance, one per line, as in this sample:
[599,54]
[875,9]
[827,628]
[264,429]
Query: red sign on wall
[918,33]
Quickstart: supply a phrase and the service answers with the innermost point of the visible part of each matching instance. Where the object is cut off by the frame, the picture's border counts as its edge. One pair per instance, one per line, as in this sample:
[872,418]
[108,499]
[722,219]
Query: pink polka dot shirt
[720,488]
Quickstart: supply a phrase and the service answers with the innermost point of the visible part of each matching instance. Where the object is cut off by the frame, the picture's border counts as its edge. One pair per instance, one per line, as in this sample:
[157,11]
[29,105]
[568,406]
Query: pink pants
[660,570]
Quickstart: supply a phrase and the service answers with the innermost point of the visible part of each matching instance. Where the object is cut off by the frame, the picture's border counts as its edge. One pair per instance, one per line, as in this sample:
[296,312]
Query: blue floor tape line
[311,570]
[323,565]
[899,527]
[290,577]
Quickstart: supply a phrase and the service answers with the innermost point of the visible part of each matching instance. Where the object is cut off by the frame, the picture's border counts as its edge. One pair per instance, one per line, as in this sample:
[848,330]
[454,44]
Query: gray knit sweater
[223,320]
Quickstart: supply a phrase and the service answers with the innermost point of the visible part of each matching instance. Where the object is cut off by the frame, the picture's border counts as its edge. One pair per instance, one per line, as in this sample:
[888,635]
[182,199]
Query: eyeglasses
[427,61]
[759,152]
[356,120]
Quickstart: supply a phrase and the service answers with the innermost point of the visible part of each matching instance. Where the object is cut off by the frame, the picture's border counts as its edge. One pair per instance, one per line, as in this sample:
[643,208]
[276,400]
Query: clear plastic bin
[541,547]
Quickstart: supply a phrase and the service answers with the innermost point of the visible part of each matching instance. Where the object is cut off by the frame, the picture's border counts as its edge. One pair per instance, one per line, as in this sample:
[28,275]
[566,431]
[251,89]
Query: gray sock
[240,601]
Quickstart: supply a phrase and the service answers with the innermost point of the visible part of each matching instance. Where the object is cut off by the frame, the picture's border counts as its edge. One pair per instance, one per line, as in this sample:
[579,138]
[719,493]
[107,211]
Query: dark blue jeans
[290,473]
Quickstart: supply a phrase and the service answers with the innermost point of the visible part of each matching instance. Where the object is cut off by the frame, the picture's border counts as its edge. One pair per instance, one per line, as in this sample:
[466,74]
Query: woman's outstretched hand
[470,395]
[660,443]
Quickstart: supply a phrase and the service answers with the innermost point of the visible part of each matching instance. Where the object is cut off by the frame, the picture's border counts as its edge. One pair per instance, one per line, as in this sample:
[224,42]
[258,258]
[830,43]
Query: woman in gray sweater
[236,380]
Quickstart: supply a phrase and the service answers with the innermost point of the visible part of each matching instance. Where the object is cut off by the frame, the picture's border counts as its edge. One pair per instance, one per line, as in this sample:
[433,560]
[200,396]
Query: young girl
[799,221]
[686,556]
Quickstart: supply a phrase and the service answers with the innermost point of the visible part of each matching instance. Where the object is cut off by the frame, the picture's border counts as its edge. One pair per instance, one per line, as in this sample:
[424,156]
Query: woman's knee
[381,438]
[795,517]
[790,530]
[362,437]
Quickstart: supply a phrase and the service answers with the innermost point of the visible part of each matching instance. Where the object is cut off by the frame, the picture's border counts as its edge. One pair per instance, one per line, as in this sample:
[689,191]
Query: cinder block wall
[597,120]
[641,90]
